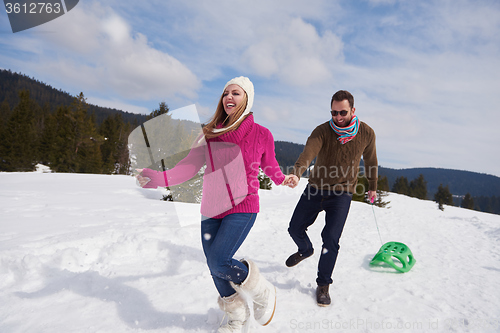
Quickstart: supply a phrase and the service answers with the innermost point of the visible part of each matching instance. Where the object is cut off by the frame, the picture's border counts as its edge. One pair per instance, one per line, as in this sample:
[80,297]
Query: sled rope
[378,230]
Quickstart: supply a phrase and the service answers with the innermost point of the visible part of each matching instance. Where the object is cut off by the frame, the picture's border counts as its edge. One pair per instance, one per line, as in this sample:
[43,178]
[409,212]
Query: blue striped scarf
[346,133]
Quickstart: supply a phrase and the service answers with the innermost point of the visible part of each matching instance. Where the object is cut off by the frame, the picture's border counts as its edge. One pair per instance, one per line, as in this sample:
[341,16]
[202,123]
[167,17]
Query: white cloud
[116,28]
[273,39]
[463,24]
[97,50]
[421,72]
[382,2]
[295,54]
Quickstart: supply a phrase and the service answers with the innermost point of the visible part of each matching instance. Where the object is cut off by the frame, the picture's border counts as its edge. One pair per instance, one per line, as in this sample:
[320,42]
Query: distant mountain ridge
[459,182]
[11,83]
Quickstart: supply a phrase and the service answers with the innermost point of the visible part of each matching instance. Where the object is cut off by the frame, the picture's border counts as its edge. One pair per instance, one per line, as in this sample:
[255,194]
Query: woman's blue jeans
[221,238]
[336,206]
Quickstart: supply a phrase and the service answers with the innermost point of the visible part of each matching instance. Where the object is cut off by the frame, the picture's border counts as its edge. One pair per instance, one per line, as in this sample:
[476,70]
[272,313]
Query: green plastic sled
[396,255]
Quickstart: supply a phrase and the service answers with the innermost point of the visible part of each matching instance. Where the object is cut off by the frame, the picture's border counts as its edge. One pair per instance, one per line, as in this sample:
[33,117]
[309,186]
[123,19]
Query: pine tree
[443,196]
[47,140]
[58,141]
[383,184]
[123,158]
[5,113]
[115,153]
[264,181]
[110,130]
[4,117]
[162,109]
[40,118]
[86,141]
[361,189]
[382,192]
[90,158]
[418,188]
[19,137]
[467,202]
[70,142]
[401,186]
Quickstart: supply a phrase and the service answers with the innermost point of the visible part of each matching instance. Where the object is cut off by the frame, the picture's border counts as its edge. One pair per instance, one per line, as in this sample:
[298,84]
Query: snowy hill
[95,253]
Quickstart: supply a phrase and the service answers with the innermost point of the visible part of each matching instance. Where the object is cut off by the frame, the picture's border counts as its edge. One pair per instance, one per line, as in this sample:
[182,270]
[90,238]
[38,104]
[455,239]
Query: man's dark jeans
[336,206]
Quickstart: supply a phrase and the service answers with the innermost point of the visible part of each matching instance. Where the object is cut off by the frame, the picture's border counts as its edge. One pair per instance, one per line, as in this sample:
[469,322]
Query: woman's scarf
[346,133]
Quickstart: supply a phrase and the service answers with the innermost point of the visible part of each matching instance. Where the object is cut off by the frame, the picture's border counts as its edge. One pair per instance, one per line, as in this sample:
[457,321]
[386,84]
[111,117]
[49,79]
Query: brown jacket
[337,165]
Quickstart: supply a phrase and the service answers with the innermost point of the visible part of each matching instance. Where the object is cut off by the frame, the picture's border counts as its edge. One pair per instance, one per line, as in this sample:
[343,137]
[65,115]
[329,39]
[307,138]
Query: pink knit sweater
[230,183]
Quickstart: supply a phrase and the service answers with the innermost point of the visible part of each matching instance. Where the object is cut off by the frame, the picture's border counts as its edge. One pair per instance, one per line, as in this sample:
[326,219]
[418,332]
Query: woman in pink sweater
[233,147]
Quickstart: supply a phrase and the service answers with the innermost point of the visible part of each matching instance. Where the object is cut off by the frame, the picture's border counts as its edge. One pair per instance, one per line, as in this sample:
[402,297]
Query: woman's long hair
[221,117]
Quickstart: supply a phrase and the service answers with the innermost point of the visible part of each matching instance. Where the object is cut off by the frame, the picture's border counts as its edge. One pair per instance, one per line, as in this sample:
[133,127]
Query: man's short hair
[341,95]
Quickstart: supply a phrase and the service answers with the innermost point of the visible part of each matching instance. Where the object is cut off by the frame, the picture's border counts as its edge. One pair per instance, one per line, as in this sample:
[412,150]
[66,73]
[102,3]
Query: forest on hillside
[67,140]
[50,98]
[40,124]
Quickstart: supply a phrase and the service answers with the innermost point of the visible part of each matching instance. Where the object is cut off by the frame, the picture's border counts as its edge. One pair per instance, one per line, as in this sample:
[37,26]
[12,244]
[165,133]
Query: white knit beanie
[246,85]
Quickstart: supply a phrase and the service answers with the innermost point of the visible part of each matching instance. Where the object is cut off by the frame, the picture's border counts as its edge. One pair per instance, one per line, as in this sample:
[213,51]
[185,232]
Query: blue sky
[425,74]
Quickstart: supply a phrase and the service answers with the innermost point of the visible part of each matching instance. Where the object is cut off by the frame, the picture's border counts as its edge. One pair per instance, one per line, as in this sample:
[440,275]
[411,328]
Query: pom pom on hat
[247,86]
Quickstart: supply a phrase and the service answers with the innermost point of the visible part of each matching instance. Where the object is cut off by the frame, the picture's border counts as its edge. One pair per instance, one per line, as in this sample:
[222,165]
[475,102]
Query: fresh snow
[96,253]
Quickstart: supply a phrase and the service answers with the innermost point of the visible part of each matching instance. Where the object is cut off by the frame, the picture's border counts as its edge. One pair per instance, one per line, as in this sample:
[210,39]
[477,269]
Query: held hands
[151,179]
[291,181]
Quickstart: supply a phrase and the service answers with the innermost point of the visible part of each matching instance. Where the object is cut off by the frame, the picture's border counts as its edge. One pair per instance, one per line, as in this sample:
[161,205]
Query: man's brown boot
[322,296]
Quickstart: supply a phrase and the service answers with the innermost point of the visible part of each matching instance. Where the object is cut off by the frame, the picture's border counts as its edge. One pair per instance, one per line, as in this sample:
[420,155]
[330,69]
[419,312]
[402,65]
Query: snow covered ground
[95,253]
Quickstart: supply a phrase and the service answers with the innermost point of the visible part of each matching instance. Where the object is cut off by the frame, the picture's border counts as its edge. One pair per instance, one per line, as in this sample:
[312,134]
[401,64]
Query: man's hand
[291,181]
[372,195]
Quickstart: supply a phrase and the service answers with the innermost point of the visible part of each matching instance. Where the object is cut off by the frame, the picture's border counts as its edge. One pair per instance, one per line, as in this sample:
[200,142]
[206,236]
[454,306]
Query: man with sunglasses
[338,146]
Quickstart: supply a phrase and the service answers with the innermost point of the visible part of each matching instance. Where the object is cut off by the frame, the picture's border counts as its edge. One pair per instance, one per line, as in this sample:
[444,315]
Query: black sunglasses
[343,113]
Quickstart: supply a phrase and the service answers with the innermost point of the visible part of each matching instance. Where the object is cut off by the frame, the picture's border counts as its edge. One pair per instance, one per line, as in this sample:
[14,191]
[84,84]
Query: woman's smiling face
[232,97]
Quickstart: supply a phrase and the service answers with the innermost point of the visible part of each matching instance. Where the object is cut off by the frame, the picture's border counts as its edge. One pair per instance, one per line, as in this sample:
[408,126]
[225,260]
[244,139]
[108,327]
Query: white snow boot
[262,292]
[237,311]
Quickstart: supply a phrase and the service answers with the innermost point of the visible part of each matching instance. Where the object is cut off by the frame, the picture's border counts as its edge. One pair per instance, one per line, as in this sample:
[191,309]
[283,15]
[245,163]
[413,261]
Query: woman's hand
[142,180]
[291,181]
